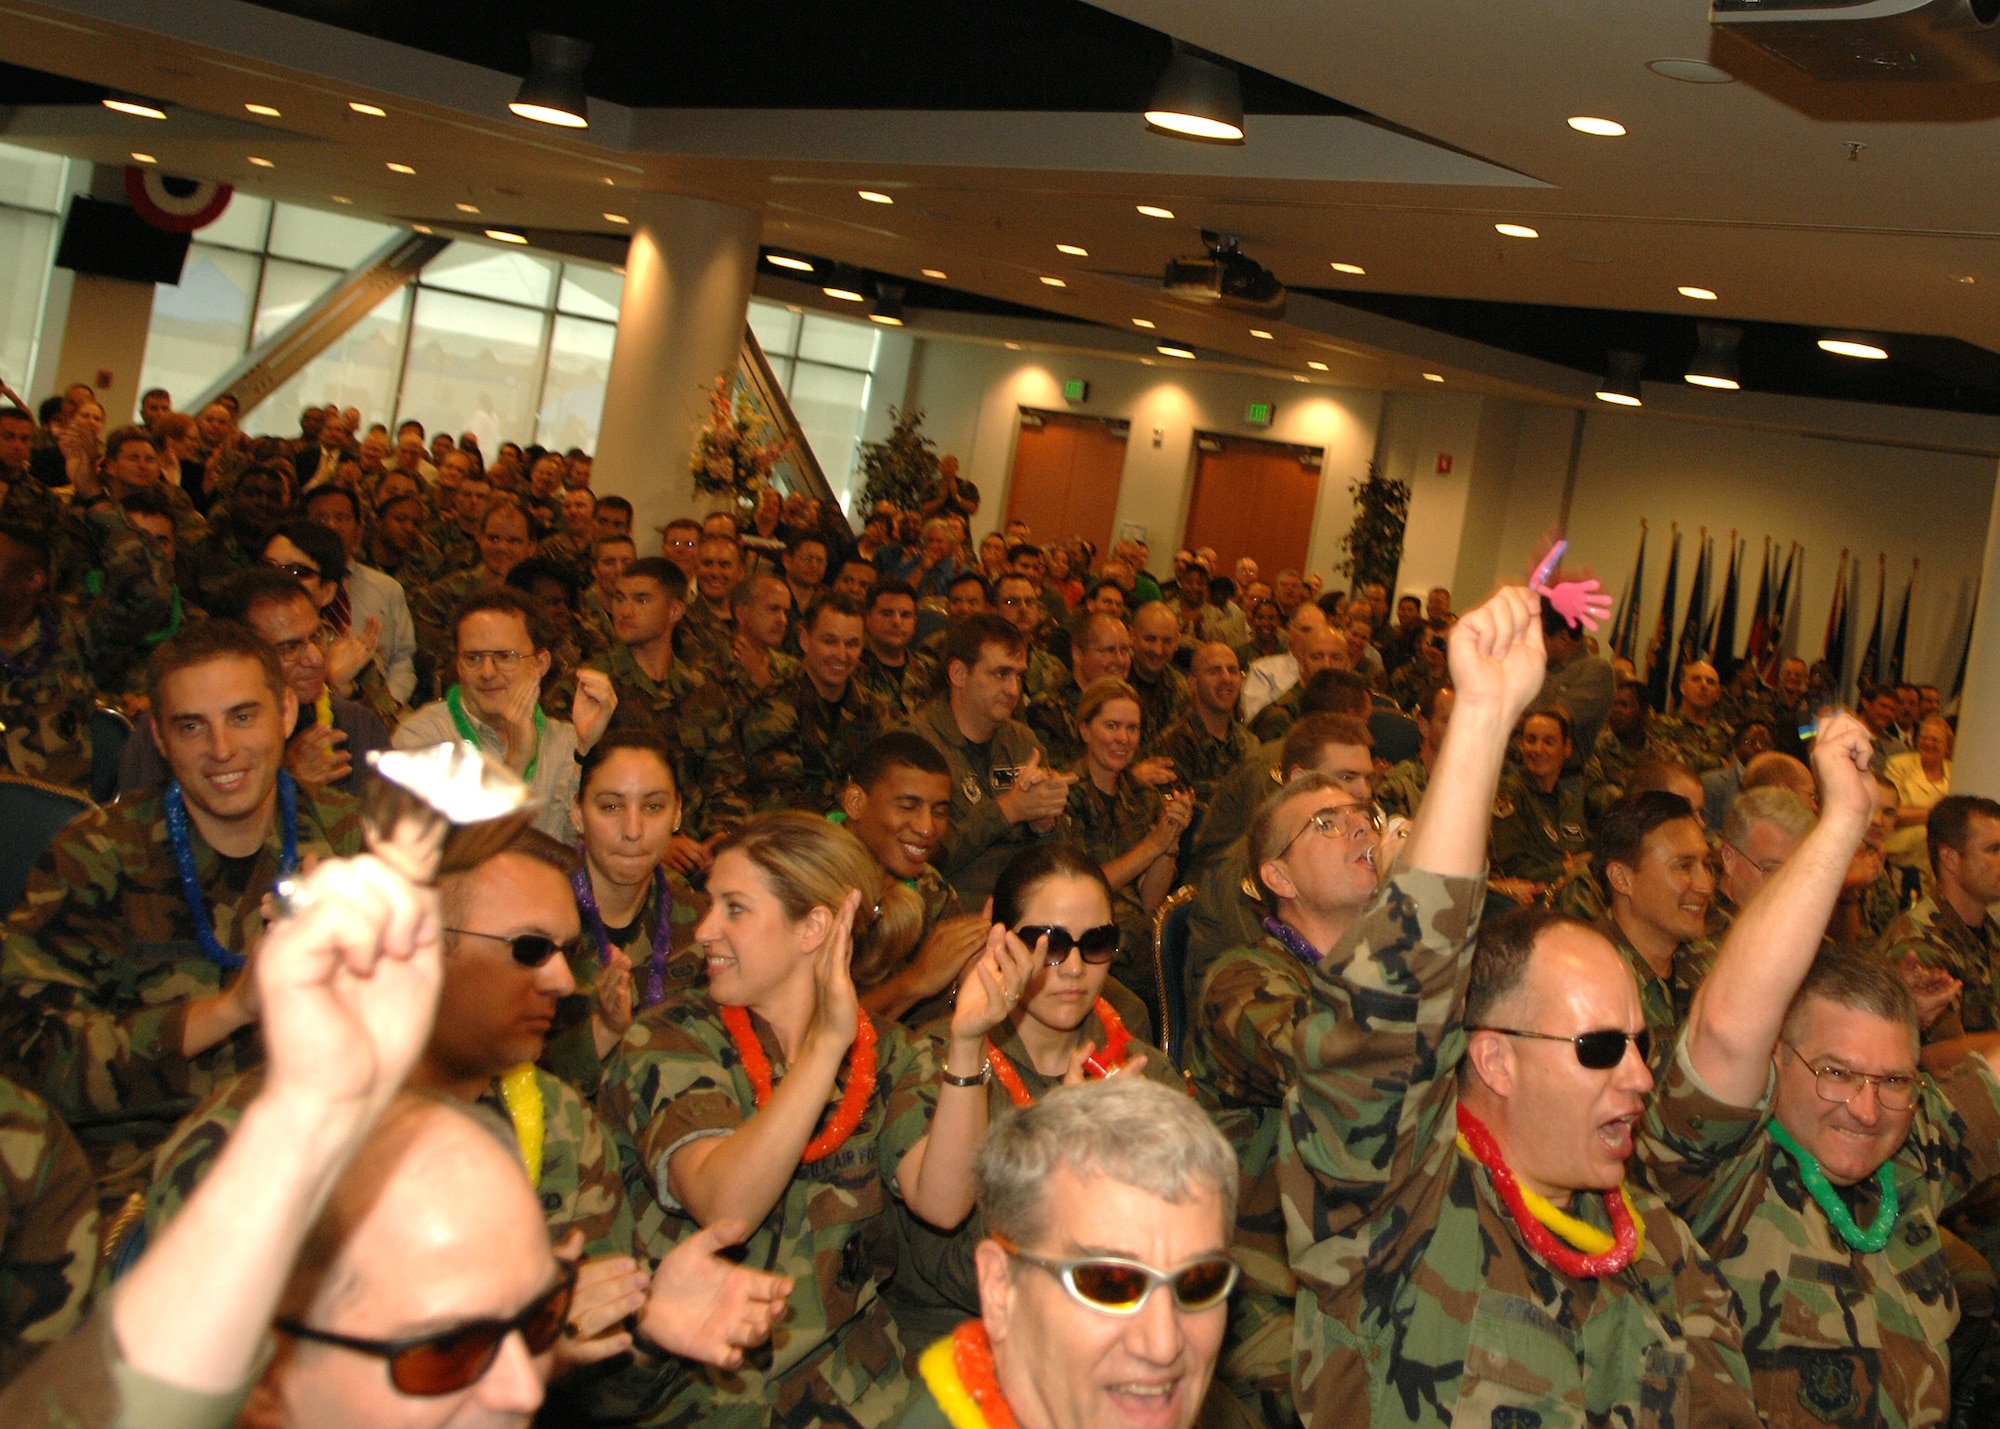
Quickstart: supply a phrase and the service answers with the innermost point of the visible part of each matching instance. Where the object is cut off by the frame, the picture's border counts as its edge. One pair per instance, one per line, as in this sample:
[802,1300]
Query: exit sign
[1076,390]
[1258,414]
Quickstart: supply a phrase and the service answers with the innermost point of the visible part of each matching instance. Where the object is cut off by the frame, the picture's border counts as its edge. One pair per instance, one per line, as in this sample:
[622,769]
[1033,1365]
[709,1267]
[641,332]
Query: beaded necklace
[663,911]
[958,1370]
[1867,1241]
[854,1097]
[1293,941]
[1591,1253]
[45,644]
[175,809]
[455,703]
[1101,1063]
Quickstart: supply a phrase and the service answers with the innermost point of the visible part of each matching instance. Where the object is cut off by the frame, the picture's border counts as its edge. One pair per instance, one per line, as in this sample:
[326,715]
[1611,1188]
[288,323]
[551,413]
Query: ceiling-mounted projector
[1849,41]
[1227,278]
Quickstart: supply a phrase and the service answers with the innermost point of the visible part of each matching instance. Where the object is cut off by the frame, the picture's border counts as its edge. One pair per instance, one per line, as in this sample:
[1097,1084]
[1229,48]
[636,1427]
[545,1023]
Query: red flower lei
[1624,1224]
[854,1097]
[1100,1063]
[972,1358]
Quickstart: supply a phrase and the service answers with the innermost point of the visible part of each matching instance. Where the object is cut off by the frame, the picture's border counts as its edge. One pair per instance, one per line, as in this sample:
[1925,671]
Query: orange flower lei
[959,1373]
[854,1098]
[1100,1063]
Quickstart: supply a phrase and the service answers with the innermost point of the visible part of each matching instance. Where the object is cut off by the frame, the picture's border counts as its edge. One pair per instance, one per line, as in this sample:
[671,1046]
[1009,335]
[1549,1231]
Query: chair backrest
[33,813]
[1170,945]
[109,730]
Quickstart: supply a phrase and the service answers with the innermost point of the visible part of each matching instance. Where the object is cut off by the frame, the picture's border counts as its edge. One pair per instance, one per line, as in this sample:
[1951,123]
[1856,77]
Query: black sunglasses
[530,950]
[1599,1051]
[450,1360]
[1098,945]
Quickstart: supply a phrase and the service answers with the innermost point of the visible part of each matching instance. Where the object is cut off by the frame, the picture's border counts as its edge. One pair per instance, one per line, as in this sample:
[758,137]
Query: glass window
[289,289]
[244,224]
[844,344]
[32,179]
[777,329]
[830,403]
[200,324]
[590,292]
[473,366]
[359,369]
[334,239]
[573,391]
[27,242]
[487,271]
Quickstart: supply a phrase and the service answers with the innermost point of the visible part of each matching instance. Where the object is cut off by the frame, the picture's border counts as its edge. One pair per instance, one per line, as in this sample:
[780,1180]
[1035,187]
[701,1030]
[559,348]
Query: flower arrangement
[735,449]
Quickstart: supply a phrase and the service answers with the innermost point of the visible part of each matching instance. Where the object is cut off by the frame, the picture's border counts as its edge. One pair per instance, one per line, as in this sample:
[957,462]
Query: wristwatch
[978,1079]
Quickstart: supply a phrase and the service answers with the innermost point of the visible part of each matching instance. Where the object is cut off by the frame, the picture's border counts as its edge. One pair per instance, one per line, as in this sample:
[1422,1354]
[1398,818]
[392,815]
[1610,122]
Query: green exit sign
[1076,390]
[1258,414]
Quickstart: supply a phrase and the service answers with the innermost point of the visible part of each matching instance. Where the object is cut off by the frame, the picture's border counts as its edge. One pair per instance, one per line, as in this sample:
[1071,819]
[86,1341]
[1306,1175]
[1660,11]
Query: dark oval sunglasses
[530,950]
[1098,945]
[1599,1051]
[426,1366]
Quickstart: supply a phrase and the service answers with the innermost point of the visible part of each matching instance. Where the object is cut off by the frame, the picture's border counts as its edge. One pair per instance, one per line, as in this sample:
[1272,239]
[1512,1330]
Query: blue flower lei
[177,837]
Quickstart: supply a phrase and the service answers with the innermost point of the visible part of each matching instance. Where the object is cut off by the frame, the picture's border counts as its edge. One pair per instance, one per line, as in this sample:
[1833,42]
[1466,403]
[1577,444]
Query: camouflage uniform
[48,1229]
[1276,719]
[1663,1000]
[677,1078]
[898,691]
[1163,703]
[570,1051]
[736,682]
[1241,1060]
[1200,759]
[1881,905]
[1401,790]
[1105,826]
[704,638]
[580,1187]
[205,567]
[1052,716]
[1535,835]
[100,963]
[1701,747]
[798,746]
[981,841]
[692,713]
[1417,1296]
[1832,1335]
[1607,769]
[592,611]
[1237,799]
[1412,680]
[1938,936]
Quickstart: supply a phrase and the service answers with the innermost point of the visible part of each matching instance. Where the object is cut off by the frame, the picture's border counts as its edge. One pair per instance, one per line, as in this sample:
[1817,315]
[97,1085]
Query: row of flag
[1708,622]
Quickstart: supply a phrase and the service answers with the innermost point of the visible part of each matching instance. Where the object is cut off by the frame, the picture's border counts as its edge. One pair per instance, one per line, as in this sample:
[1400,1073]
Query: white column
[1976,759]
[688,277]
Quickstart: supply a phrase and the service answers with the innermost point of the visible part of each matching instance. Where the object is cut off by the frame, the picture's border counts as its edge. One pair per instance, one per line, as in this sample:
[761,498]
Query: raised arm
[1733,1024]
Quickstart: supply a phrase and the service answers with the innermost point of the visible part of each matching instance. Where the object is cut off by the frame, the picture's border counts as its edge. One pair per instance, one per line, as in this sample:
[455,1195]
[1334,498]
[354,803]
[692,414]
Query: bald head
[1772,770]
[1156,630]
[1304,620]
[1322,649]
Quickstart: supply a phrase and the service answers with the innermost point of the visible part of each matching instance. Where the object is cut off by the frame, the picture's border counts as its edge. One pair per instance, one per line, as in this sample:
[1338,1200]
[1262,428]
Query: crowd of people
[946,980]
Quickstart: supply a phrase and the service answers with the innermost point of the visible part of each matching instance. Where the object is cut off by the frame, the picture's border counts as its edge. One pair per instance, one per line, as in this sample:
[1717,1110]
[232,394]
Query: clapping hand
[591,710]
[1934,989]
[998,979]
[705,1308]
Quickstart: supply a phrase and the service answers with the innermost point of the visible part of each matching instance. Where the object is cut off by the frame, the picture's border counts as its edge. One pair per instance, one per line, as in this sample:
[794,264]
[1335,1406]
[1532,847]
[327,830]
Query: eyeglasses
[1097,945]
[1116,1286]
[1895,1092]
[297,570]
[530,950]
[505,661]
[1768,867]
[290,650]
[1599,1051]
[1344,821]
[450,1360]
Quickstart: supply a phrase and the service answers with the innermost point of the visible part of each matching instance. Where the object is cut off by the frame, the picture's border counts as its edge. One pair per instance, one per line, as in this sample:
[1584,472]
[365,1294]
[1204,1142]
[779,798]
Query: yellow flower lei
[523,1096]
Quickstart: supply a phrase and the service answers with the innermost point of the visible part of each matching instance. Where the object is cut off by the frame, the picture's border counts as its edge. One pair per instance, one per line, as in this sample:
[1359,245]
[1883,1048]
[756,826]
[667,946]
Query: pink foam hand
[1578,602]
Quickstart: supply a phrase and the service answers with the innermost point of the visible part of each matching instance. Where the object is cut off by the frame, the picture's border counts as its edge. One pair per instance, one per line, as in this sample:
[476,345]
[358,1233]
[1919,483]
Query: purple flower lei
[656,966]
[1294,942]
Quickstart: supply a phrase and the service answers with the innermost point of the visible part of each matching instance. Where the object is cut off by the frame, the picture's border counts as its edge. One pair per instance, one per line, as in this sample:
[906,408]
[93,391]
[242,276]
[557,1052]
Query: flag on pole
[1687,650]
[1781,606]
[1965,651]
[1721,641]
[1897,645]
[1760,613]
[1660,651]
[1833,650]
[1625,629]
[1870,673]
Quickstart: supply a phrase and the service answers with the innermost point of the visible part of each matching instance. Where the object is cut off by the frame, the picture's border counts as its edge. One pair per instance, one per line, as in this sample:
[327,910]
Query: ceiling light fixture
[138,108]
[1300,377]
[552,92]
[139,158]
[1703,295]
[937,273]
[1013,347]
[846,295]
[466,207]
[785,260]
[873,196]
[373,111]
[1515,230]
[1355,268]
[616,218]
[1143,322]
[1317,366]
[1197,98]
[420,228]
[1714,364]
[1602,128]
[264,109]
[502,235]
[887,309]
[1168,349]
[1851,345]
[1054,282]
[1072,250]
[1433,377]
[1259,332]
[343,198]
[1621,379]
[1153,210]
[400,169]
[260,163]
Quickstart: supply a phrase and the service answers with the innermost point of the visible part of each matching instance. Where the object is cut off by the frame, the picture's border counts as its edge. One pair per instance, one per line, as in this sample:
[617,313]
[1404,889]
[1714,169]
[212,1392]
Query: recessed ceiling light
[1013,347]
[264,109]
[1602,128]
[885,319]
[937,273]
[137,108]
[1963,278]
[616,218]
[501,235]
[785,260]
[371,110]
[1850,347]
[343,198]
[874,197]
[1433,377]
[1515,230]
[261,163]
[1690,71]
[1143,322]
[1705,295]
[139,158]
[1054,282]
[1722,384]
[1259,332]
[1300,377]
[1355,268]
[846,295]
[1153,210]
[1317,366]
[420,228]
[1167,349]
[1072,250]
[401,169]
[466,207]
[610,182]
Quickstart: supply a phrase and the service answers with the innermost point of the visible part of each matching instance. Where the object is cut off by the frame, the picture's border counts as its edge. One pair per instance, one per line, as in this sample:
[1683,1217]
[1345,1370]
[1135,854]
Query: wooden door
[1066,476]
[1253,499]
